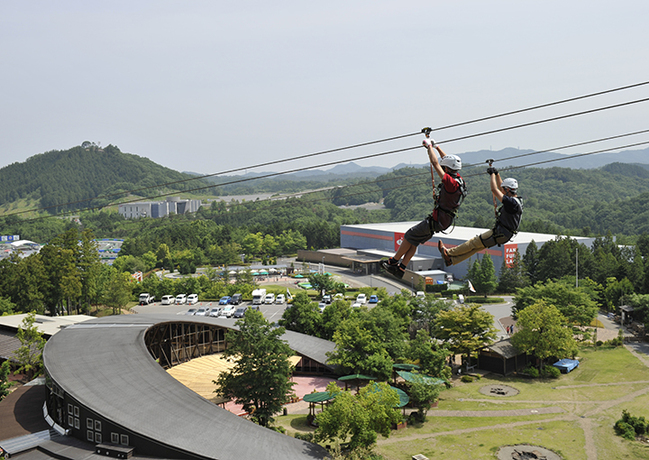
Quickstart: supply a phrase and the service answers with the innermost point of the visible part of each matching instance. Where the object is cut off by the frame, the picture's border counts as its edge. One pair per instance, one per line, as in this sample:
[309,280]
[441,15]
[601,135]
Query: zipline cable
[283,200]
[362,144]
[522,125]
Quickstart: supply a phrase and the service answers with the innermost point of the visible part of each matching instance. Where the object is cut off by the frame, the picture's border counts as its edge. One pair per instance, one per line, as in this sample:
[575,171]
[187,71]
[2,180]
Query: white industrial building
[155,209]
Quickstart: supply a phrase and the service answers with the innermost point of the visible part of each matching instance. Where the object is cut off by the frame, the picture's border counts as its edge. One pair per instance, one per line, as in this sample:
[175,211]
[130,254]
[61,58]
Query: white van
[270,298]
[168,300]
[362,298]
[181,299]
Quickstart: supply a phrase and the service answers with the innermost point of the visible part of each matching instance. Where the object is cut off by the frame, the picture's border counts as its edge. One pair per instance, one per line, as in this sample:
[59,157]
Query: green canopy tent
[420,378]
[404,399]
[357,378]
[402,367]
[320,397]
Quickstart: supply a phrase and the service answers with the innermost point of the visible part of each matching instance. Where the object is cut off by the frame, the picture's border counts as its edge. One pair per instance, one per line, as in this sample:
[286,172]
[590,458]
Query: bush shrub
[532,372]
[550,372]
[625,430]
[467,379]
[304,436]
[639,425]
[483,299]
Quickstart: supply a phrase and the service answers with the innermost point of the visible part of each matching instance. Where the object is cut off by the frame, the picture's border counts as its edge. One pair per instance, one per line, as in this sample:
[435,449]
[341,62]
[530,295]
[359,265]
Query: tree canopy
[543,332]
[260,378]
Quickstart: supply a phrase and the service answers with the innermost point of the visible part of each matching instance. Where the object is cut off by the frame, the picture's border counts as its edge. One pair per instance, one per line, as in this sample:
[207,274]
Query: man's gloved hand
[492,170]
[428,143]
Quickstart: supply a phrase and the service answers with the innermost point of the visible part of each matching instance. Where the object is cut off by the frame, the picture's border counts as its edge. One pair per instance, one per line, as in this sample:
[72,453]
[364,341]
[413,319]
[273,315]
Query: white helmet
[510,183]
[452,162]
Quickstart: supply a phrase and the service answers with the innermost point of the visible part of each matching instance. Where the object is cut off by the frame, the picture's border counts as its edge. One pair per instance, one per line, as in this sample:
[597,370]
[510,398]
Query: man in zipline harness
[508,218]
[451,192]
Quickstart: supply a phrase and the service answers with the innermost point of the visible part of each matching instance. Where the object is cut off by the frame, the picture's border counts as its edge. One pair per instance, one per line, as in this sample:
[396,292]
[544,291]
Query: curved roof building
[108,385]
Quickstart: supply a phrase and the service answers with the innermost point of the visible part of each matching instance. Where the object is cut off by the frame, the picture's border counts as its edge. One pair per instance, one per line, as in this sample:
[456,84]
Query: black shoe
[391,266]
[400,271]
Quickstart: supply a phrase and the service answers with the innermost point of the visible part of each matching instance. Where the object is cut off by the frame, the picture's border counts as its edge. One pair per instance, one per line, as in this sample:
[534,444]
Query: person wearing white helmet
[507,221]
[451,192]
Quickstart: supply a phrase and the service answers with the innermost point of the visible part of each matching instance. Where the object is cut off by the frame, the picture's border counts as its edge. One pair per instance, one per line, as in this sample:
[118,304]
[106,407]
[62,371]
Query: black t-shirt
[509,214]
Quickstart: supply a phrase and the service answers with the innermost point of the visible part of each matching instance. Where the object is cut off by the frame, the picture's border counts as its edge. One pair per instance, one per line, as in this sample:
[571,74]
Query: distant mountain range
[502,158]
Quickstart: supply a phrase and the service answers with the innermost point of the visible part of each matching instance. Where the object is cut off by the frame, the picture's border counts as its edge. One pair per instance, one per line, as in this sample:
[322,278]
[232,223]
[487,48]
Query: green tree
[512,277]
[615,291]
[302,316]
[430,356]
[30,353]
[260,378]
[465,329]
[425,311]
[531,262]
[358,417]
[332,316]
[7,307]
[323,282]
[543,332]
[422,396]
[483,275]
[4,379]
[358,350]
[119,290]
[576,304]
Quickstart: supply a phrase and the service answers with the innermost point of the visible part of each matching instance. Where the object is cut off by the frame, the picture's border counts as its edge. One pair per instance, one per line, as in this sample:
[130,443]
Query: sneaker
[390,265]
[401,270]
[444,253]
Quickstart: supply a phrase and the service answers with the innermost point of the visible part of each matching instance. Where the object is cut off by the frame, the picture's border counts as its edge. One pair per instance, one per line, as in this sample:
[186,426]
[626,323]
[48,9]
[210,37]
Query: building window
[70,409]
[124,440]
[77,424]
[76,411]
[98,438]
[114,438]
[97,425]
[90,435]
[89,424]
[70,420]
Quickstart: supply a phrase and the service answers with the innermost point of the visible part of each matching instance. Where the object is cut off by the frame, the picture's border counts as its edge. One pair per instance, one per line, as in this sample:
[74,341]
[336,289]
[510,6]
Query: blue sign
[8,238]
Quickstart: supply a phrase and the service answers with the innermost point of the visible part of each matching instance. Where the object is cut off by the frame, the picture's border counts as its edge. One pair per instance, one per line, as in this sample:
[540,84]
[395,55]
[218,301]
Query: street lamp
[412,283]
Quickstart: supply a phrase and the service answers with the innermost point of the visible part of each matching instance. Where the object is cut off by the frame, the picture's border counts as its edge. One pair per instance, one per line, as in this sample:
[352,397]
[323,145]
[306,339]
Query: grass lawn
[592,398]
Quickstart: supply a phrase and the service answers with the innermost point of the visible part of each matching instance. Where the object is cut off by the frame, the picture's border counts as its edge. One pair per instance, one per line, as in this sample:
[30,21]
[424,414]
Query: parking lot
[272,312]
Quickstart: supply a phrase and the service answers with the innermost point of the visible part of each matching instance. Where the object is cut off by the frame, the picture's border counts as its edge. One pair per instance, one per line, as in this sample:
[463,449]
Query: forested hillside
[53,179]
[557,200]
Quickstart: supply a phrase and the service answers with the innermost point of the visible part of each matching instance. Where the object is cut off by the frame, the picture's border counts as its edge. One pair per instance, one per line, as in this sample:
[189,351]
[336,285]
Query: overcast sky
[209,86]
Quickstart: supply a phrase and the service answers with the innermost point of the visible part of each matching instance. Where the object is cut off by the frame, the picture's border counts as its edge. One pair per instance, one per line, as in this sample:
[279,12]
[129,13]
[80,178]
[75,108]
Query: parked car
[168,300]
[190,312]
[374,299]
[326,298]
[357,305]
[225,300]
[227,311]
[181,299]
[270,298]
[192,299]
[361,298]
[339,296]
[236,299]
[240,312]
[280,299]
[146,298]
[322,306]
[203,311]
[421,295]
[215,312]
